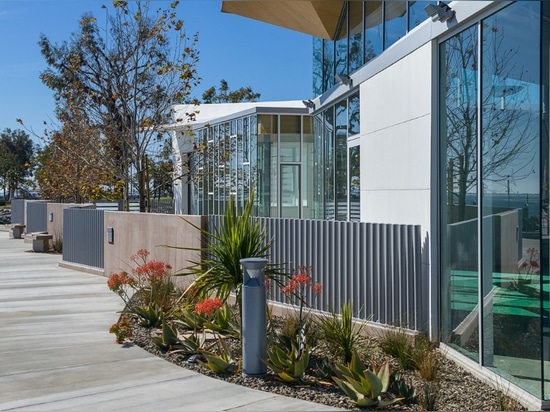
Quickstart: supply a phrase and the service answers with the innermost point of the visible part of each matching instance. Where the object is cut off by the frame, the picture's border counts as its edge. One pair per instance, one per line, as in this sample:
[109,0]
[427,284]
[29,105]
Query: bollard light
[254,320]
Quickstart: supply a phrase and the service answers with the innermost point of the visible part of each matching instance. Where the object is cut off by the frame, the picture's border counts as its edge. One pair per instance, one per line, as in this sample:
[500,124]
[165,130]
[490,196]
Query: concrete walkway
[56,352]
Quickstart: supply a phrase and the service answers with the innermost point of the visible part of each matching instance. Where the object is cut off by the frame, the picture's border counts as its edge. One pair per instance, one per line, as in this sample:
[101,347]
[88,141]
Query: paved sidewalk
[56,352]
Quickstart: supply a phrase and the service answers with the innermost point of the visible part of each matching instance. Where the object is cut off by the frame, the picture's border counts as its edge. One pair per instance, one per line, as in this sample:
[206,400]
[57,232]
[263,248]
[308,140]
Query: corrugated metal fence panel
[18,211]
[37,217]
[375,266]
[83,237]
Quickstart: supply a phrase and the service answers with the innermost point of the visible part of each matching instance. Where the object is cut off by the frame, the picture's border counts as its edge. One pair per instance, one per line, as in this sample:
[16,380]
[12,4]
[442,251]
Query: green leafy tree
[126,79]
[224,95]
[16,157]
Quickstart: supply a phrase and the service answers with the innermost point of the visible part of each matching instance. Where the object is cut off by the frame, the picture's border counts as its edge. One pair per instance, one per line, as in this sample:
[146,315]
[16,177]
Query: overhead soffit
[318,18]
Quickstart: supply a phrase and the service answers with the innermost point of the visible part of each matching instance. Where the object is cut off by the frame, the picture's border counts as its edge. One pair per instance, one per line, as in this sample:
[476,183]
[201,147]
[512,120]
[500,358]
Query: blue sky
[276,62]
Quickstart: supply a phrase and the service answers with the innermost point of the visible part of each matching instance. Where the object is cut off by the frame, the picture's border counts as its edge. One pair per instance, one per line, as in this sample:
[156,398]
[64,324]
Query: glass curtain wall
[336,167]
[290,144]
[341,160]
[272,153]
[494,172]
[267,174]
[366,28]
[308,169]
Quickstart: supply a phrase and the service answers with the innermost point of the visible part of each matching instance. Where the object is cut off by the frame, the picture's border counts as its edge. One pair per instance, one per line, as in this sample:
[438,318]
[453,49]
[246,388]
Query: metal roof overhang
[318,18]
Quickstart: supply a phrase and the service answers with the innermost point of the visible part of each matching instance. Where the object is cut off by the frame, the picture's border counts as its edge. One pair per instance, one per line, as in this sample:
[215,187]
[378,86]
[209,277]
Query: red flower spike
[207,306]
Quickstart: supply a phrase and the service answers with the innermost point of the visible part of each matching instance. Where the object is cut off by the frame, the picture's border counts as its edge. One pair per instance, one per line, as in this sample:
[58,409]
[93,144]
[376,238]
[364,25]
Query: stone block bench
[17,230]
[40,241]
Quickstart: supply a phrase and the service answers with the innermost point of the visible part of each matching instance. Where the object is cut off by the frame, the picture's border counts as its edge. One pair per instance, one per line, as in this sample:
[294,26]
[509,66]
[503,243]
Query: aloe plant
[150,315]
[170,341]
[225,323]
[222,363]
[363,385]
[290,366]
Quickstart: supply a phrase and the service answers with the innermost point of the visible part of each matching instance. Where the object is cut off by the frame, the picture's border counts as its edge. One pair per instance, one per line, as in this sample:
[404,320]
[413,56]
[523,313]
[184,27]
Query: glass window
[317,66]
[328,64]
[459,224]
[309,170]
[329,206]
[267,176]
[240,166]
[290,191]
[251,167]
[395,16]
[318,177]
[290,138]
[510,171]
[356,32]
[354,184]
[353,115]
[210,161]
[341,161]
[341,43]
[494,187]
[373,29]
[416,12]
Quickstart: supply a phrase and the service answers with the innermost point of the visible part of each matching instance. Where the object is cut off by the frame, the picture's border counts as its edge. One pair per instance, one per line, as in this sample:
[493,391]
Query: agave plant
[225,362]
[170,341]
[150,315]
[289,365]
[363,385]
[402,387]
[225,323]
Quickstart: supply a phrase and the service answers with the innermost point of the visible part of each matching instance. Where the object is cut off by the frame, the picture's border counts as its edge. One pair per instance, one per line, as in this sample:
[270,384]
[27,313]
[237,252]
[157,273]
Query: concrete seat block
[17,230]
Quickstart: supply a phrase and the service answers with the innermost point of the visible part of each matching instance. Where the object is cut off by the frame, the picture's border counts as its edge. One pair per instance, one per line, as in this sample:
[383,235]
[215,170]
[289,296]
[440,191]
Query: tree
[71,167]
[224,95]
[160,171]
[126,80]
[16,157]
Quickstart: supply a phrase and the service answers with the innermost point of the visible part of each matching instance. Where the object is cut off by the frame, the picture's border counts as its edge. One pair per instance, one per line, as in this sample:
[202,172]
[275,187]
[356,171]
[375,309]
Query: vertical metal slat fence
[83,237]
[375,266]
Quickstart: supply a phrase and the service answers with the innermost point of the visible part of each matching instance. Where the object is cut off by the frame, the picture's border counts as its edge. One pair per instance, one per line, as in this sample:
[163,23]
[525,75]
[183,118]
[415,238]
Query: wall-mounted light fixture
[309,104]
[440,12]
[51,217]
[343,79]
[110,235]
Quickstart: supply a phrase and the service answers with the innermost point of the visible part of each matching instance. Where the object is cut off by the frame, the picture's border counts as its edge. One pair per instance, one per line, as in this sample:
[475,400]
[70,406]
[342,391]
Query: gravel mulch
[455,389]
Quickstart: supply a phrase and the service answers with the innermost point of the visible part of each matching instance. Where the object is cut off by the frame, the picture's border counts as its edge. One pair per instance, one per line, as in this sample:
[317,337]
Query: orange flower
[207,306]
[117,280]
[317,288]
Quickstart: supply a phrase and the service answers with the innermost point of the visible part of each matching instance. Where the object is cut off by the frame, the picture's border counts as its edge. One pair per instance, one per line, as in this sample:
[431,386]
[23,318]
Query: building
[436,115]
[229,148]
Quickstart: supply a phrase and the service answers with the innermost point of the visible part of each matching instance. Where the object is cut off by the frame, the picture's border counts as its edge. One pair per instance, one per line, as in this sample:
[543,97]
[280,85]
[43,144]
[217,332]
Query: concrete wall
[54,217]
[133,231]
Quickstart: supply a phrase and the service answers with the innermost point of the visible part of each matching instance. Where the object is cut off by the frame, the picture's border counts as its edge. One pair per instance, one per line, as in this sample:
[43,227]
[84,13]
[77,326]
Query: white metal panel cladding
[376,266]
[37,219]
[83,237]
